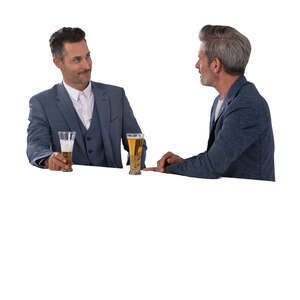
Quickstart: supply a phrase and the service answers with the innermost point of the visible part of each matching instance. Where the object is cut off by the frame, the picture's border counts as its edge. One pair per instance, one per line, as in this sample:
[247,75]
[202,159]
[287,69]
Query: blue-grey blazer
[52,111]
[241,142]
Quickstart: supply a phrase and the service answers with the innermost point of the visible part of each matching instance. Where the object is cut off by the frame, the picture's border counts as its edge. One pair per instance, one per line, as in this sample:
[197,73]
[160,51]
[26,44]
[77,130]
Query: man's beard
[206,80]
[85,79]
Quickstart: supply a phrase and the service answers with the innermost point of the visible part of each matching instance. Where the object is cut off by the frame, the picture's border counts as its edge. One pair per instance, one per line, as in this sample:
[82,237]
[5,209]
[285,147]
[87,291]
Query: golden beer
[66,139]
[68,157]
[135,142]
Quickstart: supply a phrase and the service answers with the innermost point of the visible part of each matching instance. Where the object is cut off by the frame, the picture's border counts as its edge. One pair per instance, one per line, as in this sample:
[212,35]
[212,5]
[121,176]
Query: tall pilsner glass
[135,142]
[66,139]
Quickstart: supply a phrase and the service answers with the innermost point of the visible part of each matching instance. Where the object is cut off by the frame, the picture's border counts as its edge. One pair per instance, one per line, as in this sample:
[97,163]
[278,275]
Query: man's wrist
[43,162]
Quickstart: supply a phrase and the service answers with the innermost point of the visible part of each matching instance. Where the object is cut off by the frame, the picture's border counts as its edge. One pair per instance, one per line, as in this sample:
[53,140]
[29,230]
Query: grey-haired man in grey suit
[99,113]
[241,142]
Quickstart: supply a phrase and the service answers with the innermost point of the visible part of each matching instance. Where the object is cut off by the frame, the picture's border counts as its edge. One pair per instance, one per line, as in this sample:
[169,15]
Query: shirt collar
[74,93]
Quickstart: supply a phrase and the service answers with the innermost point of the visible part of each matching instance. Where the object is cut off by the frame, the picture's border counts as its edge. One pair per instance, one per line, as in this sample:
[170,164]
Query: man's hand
[56,162]
[168,159]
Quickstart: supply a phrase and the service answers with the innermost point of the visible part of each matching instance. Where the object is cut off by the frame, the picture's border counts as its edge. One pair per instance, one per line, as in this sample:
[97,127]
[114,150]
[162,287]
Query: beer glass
[135,142]
[66,139]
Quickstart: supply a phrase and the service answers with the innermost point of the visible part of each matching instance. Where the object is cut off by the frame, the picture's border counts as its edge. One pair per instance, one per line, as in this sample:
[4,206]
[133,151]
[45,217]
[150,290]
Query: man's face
[76,65]
[207,76]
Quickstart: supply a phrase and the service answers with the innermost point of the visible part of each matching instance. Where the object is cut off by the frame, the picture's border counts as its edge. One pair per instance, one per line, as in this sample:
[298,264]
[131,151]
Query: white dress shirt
[219,105]
[83,102]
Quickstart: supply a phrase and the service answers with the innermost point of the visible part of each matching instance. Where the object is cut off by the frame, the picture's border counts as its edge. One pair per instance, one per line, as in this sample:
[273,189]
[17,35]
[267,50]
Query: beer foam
[66,146]
[135,136]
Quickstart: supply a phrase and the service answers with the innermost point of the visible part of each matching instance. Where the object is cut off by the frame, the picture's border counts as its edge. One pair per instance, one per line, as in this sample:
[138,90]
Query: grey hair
[228,45]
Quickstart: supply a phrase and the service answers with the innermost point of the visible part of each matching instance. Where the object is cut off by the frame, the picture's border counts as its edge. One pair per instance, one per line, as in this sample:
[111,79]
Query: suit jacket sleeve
[38,134]
[241,127]
[130,125]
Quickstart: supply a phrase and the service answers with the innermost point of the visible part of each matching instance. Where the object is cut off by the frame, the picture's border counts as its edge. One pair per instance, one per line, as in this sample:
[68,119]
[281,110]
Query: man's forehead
[201,49]
[202,46]
[76,49]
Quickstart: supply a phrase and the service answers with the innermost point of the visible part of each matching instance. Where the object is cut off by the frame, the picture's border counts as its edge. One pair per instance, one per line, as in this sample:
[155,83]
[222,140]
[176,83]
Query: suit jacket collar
[233,91]
[65,105]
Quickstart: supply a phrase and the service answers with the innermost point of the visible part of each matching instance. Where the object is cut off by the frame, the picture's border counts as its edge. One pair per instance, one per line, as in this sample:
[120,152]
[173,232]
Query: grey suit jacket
[52,111]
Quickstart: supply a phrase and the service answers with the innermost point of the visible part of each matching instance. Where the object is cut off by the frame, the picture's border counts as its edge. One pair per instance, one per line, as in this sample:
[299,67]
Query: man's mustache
[85,71]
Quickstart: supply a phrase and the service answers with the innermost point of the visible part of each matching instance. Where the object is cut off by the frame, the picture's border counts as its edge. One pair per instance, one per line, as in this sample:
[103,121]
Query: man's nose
[197,65]
[86,64]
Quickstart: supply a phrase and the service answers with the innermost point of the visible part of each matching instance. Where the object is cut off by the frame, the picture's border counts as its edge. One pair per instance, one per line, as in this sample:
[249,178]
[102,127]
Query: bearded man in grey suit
[99,113]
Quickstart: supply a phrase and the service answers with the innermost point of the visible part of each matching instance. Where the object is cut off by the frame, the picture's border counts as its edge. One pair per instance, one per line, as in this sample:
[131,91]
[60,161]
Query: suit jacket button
[90,151]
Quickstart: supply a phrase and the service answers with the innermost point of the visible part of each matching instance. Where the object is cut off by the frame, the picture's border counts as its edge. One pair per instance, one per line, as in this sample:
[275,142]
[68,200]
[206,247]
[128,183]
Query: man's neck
[224,84]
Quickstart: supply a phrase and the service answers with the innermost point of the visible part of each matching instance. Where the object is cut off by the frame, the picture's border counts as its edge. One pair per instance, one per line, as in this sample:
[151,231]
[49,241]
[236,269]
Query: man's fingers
[59,157]
[155,169]
[57,161]
[150,169]
[172,160]
[54,165]
[162,162]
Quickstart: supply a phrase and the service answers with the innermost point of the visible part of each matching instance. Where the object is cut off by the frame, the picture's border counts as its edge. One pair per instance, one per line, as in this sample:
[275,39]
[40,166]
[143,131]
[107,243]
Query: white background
[100,234]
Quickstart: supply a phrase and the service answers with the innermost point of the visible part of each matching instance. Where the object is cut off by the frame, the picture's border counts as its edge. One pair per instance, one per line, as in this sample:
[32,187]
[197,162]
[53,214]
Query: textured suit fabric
[93,141]
[241,142]
[52,111]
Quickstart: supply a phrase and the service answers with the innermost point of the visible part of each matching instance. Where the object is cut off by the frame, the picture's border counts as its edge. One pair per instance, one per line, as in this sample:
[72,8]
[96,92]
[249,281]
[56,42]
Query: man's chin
[204,82]
[85,75]
[85,80]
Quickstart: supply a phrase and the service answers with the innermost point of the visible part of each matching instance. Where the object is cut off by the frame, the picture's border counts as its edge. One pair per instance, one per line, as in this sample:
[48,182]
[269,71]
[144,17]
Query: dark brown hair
[63,35]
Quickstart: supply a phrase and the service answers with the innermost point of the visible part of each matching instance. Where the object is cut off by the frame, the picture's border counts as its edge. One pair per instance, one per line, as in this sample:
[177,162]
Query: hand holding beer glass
[66,139]
[135,142]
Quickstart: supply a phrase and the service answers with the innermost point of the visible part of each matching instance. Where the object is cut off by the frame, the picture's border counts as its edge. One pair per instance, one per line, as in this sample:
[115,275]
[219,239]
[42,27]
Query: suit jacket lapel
[233,91]
[103,108]
[65,105]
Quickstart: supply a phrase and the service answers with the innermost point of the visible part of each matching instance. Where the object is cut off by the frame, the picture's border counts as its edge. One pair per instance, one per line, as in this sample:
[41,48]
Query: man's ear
[57,62]
[216,66]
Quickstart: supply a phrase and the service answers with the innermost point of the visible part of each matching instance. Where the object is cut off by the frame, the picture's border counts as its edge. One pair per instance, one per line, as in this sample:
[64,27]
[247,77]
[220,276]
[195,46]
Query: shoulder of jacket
[107,87]
[50,93]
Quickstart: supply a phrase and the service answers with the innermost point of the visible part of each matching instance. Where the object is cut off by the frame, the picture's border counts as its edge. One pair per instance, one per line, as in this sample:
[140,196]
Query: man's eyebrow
[76,57]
